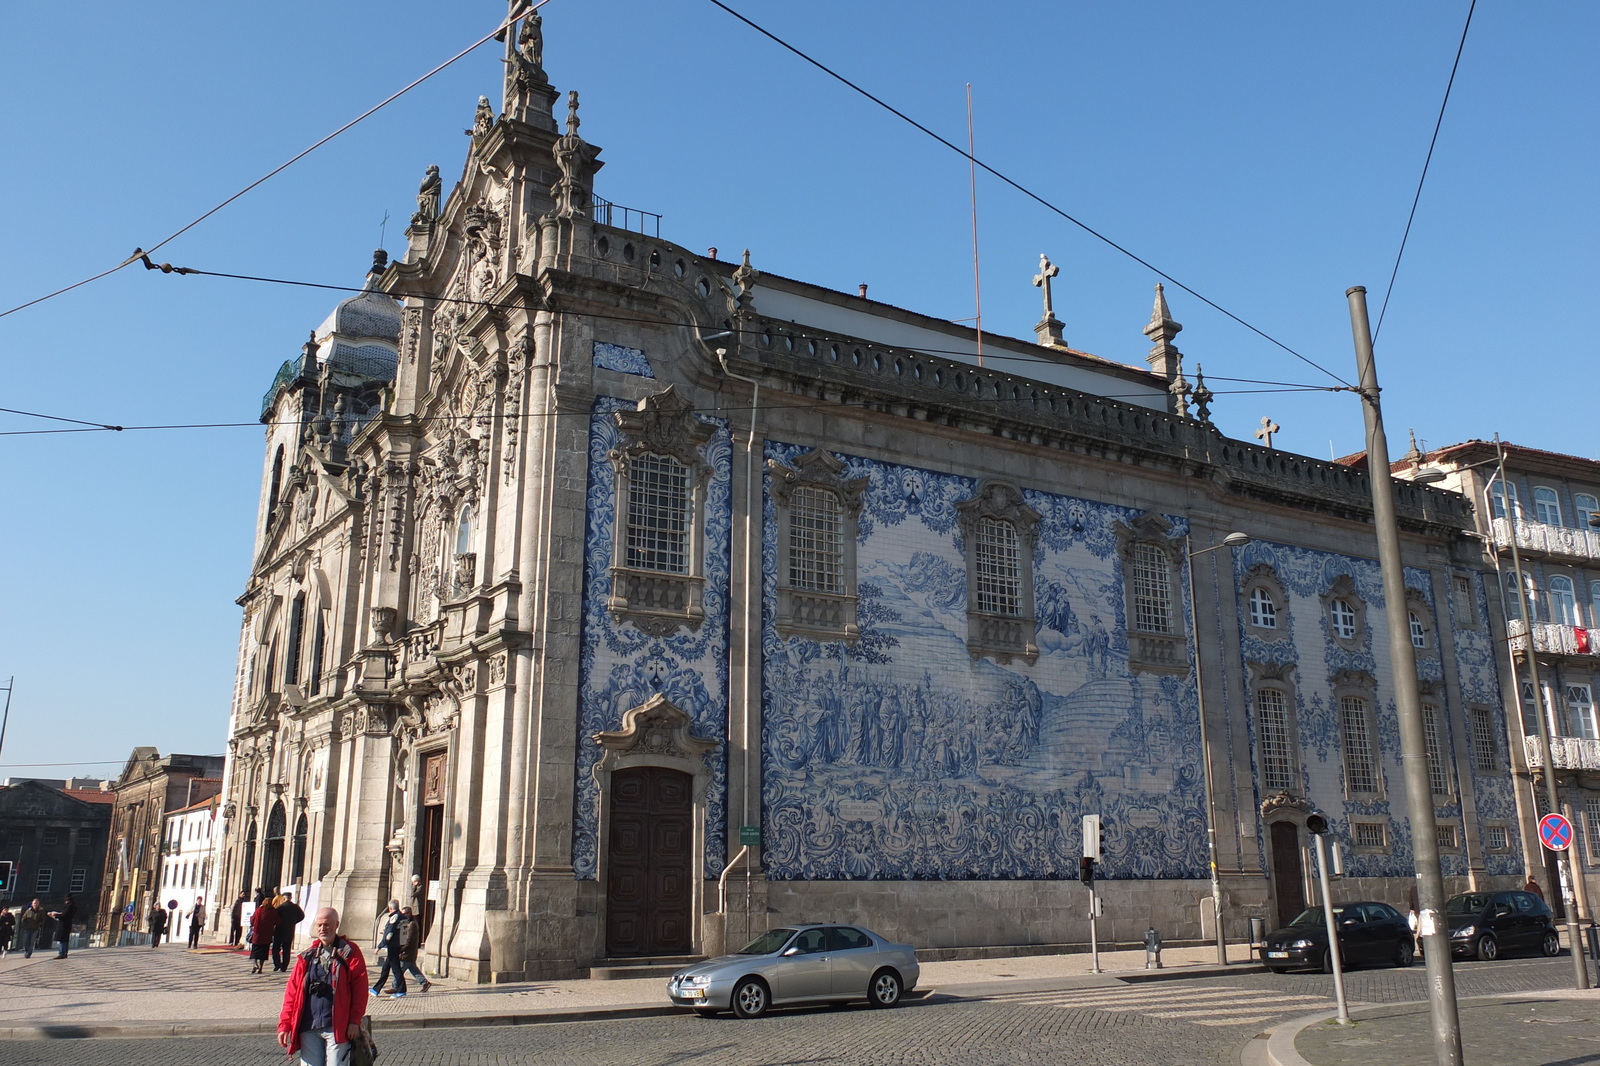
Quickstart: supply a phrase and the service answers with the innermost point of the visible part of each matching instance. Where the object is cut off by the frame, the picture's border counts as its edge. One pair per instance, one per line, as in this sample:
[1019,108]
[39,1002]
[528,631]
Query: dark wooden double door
[649,863]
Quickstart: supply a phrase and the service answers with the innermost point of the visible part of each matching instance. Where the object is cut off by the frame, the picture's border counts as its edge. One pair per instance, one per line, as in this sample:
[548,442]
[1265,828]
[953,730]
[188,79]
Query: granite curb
[1278,1048]
[268,1026]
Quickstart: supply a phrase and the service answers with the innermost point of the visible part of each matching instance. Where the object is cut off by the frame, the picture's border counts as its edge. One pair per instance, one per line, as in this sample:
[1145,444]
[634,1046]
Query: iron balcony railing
[607,213]
[1554,639]
[1543,537]
[1567,753]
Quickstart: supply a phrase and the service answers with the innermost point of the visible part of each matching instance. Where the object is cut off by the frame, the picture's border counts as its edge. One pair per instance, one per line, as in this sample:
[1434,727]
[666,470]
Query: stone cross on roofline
[1049,327]
[1268,428]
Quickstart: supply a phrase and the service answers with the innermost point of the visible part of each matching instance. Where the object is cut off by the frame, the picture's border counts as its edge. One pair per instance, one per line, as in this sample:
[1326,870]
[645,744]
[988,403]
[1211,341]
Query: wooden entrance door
[1288,875]
[433,787]
[648,863]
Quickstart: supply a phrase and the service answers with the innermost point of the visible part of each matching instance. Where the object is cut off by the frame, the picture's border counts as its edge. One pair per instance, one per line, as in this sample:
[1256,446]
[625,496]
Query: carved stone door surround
[655,733]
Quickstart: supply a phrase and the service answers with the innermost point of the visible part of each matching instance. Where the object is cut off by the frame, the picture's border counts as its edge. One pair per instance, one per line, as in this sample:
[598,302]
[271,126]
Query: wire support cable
[1415,200]
[144,253]
[1024,190]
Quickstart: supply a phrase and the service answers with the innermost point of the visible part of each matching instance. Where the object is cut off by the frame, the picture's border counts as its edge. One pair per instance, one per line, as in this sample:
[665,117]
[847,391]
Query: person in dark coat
[236,920]
[64,919]
[289,916]
[410,943]
[158,926]
[8,929]
[263,923]
[388,945]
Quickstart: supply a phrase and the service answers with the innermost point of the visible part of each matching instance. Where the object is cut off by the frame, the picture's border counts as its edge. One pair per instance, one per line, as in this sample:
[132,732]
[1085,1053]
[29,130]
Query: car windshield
[1312,916]
[1466,903]
[767,942]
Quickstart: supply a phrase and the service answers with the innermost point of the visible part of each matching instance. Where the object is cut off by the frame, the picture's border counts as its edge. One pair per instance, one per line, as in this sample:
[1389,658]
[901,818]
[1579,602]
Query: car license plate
[694,993]
[1277,954]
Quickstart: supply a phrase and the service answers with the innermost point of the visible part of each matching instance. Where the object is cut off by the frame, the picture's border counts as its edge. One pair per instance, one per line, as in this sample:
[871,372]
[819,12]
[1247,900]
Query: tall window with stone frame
[1485,748]
[658,516]
[1274,740]
[1152,590]
[816,541]
[1547,505]
[1563,601]
[817,511]
[1263,610]
[297,626]
[998,530]
[1591,815]
[657,569]
[1438,756]
[1360,765]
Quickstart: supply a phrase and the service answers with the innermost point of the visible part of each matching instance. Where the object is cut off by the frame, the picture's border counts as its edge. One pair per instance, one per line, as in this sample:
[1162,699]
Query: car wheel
[1327,961]
[1488,950]
[1550,945]
[1404,953]
[750,998]
[884,989]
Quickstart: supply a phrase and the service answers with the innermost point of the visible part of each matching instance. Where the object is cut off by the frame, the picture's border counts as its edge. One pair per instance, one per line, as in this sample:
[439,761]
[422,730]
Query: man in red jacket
[326,996]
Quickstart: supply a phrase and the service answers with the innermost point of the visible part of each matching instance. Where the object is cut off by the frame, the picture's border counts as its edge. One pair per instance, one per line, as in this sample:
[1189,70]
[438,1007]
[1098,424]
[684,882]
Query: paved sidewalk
[1555,1028]
[170,991]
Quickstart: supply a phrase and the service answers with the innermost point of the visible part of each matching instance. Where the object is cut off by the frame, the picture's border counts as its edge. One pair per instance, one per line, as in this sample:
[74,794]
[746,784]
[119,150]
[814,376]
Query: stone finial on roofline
[1164,357]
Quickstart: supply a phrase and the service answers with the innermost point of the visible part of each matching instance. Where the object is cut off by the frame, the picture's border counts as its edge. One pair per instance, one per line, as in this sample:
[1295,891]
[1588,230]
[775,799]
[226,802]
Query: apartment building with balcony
[1546,505]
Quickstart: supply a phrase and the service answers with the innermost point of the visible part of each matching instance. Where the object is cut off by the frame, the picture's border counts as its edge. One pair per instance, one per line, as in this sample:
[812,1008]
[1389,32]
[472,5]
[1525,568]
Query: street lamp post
[1431,921]
[1232,540]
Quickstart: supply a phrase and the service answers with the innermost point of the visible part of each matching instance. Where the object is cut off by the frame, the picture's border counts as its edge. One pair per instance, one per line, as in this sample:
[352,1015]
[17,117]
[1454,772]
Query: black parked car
[1487,923]
[1368,932]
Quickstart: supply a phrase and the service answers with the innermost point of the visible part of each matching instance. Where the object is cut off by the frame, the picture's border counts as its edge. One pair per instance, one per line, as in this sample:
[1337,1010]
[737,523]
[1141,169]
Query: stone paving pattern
[1558,1029]
[1021,1010]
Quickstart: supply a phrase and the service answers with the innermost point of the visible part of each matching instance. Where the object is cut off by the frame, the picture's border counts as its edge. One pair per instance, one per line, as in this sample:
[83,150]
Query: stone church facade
[638,601]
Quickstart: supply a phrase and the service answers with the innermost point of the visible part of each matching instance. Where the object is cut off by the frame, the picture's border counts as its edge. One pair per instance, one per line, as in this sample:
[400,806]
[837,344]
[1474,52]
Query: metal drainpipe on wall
[752,511]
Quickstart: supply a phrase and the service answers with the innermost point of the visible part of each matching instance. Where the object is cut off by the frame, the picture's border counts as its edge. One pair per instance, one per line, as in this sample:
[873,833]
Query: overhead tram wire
[811,405]
[1415,200]
[1029,193]
[391,98]
[167,268]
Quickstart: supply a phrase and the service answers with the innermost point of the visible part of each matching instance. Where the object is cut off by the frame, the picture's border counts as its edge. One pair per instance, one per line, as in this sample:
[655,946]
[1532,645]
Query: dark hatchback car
[1485,924]
[1368,932]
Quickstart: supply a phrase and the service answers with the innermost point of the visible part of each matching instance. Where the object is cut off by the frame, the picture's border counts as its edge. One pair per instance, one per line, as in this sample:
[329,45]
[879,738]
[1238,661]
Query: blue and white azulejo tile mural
[623,360]
[622,667]
[1322,665]
[896,756]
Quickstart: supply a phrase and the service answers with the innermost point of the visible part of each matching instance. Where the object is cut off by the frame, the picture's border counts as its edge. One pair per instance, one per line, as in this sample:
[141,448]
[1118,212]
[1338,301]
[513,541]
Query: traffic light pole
[1335,956]
[1094,938]
[1431,920]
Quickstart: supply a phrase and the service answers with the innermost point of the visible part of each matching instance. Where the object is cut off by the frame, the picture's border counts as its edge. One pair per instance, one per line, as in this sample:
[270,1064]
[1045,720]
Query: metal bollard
[1152,950]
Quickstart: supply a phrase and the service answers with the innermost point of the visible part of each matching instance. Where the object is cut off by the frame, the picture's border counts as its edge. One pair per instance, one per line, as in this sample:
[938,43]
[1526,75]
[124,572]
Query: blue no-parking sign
[1555,832]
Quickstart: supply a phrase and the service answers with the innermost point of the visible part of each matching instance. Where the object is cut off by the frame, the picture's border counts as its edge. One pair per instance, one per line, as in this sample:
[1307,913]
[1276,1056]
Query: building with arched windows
[634,600]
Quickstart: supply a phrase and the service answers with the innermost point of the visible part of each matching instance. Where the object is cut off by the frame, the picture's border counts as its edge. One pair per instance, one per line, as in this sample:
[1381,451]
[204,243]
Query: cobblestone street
[1142,1023]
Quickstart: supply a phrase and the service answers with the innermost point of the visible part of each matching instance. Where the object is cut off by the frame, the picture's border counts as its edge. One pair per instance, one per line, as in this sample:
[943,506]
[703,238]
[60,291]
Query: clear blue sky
[1263,153]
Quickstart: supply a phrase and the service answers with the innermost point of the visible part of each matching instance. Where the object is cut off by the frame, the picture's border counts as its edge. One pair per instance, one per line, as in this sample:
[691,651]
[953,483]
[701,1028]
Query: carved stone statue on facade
[428,197]
[483,118]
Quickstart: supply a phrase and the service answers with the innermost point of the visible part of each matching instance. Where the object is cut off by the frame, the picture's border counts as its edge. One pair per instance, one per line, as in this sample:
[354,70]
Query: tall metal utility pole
[1565,869]
[6,718]
[1431,921]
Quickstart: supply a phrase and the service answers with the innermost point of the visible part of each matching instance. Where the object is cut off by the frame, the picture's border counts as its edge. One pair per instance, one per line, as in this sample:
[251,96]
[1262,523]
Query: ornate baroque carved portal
[652,786]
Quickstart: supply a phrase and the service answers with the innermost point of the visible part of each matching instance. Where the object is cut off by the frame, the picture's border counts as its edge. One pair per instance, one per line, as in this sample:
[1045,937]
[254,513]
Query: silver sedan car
[799,964]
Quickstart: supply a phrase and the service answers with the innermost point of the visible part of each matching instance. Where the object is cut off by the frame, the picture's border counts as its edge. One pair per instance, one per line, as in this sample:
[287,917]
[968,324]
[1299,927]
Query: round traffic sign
[1555,832]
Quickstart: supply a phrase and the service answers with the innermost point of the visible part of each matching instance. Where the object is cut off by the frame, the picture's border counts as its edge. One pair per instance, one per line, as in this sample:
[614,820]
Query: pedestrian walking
[64,919]
[158,925]
[29,925]
[289,916]
[410,942]
[1533,886]
[263,923]
[387,942]
[197,921]
[325,999]
[236,920]
[8,929]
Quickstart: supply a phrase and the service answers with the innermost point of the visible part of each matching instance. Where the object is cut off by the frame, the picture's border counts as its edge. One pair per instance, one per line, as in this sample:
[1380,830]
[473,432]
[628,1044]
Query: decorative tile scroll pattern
[623,360]
[898,757]
[1306,576]
[622,667]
